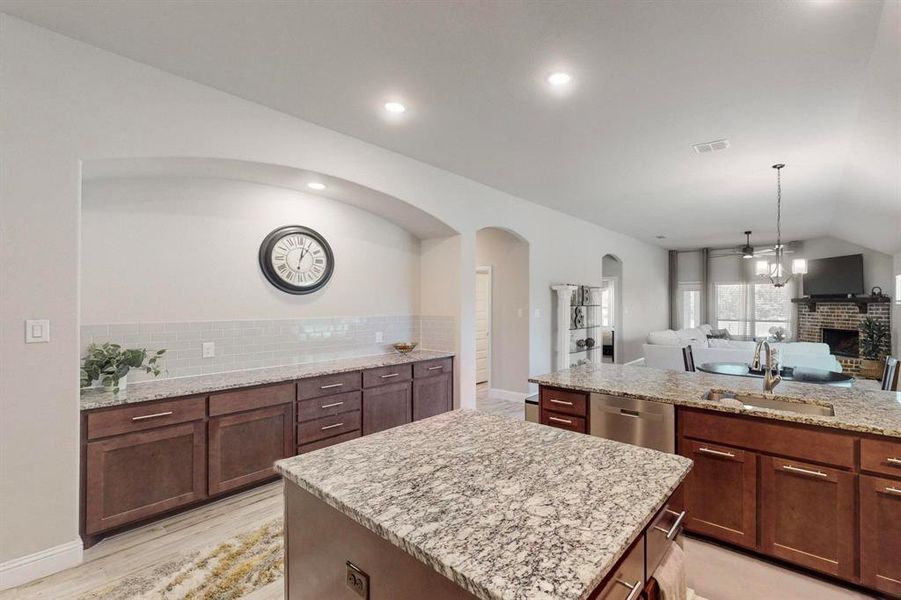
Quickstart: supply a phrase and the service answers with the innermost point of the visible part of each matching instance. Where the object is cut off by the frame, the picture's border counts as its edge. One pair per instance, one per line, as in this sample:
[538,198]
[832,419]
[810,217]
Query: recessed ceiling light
[395,107]
[560,78]
[660,237]
[315,185]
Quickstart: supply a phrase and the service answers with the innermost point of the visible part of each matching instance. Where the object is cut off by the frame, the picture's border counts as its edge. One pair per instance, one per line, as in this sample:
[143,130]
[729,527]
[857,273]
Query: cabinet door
[431,396]
[720,492]
[386,406]
[807,515]
[880,534]
[138,475]
[243,446]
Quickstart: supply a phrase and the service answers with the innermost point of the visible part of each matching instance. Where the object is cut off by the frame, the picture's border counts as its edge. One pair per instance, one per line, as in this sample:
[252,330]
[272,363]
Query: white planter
[123,383]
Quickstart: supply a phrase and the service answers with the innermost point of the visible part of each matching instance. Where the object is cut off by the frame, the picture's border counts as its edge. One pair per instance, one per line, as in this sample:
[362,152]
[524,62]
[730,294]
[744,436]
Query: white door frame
[487,270]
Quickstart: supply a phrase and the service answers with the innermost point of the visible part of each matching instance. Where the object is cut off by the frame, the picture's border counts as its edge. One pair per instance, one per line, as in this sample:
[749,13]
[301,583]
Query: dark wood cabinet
[432,395]
[243,446]
[720,493]
[387,406]
[807,515]
[880,534]
[138,475]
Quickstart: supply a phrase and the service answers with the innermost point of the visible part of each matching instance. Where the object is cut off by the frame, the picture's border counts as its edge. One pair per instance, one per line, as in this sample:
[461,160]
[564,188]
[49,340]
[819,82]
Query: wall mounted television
[835,276]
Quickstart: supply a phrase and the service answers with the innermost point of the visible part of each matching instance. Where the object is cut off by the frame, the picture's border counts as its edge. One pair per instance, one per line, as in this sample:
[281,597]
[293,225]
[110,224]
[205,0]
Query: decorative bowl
[404,347]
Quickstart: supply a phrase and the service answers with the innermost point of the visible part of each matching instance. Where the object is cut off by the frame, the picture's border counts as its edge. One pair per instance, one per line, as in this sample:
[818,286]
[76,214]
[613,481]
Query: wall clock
[296,259]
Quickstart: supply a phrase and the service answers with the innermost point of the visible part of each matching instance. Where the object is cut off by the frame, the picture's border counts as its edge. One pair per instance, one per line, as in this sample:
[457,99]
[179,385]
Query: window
[752,309]
[898,289]
[688,306]
[608,289]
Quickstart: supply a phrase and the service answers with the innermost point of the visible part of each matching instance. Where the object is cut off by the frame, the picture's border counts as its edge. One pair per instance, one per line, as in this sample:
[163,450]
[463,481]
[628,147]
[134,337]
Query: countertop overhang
[160,389]
[866,411]
[506,509]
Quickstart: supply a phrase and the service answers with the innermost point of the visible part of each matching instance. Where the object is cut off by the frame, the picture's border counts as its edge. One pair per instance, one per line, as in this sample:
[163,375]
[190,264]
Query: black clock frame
[269,243]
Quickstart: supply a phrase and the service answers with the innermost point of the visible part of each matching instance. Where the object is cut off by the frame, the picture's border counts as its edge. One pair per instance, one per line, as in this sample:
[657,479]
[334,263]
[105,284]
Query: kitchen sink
[750,402]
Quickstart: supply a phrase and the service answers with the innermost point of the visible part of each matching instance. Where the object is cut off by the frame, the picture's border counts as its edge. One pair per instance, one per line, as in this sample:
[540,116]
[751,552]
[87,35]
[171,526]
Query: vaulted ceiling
[815,84]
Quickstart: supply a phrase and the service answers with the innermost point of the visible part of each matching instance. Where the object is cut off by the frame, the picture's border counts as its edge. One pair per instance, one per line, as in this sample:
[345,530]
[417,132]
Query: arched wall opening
[612,286]
[502,314]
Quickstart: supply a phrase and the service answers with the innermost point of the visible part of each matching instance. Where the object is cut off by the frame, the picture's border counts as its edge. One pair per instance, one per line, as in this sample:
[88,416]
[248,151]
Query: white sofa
[664,351]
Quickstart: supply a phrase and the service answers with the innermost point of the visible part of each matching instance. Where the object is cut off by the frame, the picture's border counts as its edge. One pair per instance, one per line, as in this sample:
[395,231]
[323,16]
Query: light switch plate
[378,337]
[209,349]
[37,331]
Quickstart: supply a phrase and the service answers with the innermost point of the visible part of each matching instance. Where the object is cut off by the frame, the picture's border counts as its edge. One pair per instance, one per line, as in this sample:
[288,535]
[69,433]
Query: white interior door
[483,325]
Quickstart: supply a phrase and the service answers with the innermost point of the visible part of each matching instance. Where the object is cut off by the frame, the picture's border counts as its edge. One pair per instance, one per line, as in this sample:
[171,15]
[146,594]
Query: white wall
[896,308]
[63,102]
[877,267]
[183,249]
[508,257]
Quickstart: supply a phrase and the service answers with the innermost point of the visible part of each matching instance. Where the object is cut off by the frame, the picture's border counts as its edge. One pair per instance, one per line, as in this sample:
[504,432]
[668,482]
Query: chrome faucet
[770,379]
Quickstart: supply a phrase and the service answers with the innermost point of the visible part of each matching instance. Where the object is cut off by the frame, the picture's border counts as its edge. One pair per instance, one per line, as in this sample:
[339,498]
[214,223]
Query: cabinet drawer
[344,437]
[250,398]
[627,578]
[880,534]
[433,367]
[314,387]
[769,436]
[563,421]
[880,456]
[326,406]
[661,533]
[143,416]
[313,431]
[383,375]
[564,401]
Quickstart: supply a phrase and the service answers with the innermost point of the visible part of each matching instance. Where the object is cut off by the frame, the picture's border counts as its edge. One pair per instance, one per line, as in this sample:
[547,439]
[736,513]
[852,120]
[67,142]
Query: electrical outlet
[378,337]
[37,331]
[209,349]
[518,313]
[537,313]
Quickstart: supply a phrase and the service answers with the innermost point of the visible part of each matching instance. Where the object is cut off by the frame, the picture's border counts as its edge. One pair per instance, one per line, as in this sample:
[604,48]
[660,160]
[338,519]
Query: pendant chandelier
[775,270]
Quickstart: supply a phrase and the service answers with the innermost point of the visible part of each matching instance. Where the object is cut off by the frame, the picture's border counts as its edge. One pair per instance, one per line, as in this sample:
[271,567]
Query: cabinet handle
[153,416]
[390,375]
[674,530]
[330,386]
[893,490]
[563,402]
[331,426]
[892,460]
[804,471]
[559,420]
[434,368]
[634,588]
[707,450]
[332,405]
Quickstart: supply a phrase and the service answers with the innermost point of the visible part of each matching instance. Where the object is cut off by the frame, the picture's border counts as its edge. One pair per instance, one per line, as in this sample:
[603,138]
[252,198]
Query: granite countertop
[146,391]
[868,411]
[506,509]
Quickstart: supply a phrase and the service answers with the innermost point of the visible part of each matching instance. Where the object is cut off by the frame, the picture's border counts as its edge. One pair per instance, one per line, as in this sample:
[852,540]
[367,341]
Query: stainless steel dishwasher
[638,422]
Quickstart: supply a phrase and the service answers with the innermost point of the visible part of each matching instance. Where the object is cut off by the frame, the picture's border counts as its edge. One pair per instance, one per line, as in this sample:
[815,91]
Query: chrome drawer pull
[677,525]
[331,426]
[332,405]
[707,450]
[563,402]
[434,368]
[804,471]
[559,420]
[893,490]
[893,461]
[390,375]
[634,588]
[330,386]
[153,416]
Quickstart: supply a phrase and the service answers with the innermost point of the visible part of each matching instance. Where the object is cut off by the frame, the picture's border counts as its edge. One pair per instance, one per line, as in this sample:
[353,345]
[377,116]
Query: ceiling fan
[748,251]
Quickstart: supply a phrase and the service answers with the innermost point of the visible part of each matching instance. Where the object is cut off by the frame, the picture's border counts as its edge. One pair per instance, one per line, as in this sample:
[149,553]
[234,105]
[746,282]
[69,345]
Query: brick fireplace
[834,322]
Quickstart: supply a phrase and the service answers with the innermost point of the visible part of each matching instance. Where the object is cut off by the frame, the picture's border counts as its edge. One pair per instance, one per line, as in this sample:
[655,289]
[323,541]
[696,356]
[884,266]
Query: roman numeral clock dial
[296,259]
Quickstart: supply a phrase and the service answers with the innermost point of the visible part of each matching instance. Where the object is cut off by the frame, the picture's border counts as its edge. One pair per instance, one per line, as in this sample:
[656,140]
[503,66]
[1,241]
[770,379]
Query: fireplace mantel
[860,301]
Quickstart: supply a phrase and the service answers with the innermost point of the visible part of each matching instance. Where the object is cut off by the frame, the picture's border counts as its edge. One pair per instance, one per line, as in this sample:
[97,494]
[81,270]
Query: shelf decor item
[404,347]
[107,365]
[874,341]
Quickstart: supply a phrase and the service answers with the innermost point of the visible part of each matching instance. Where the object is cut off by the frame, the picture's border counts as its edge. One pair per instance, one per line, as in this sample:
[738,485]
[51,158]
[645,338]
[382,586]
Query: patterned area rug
[230,570]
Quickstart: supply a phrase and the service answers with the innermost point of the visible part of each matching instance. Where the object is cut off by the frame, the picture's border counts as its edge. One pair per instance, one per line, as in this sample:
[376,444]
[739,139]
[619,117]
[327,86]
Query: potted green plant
[107,365]
[874,342]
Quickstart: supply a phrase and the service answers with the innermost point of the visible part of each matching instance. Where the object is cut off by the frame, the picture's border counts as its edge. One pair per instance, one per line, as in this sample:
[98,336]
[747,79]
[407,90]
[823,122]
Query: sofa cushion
[667,337]
[692,337]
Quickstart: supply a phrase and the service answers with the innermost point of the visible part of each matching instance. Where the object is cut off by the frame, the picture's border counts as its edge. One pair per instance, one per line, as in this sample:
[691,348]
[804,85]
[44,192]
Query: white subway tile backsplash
[261,343]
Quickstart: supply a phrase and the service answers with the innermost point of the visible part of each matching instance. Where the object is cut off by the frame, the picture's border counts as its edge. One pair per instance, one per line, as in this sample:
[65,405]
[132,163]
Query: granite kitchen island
[470,505]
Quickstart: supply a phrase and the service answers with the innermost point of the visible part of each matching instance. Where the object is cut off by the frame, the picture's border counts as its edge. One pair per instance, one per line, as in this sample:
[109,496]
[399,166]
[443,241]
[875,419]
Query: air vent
[713,146]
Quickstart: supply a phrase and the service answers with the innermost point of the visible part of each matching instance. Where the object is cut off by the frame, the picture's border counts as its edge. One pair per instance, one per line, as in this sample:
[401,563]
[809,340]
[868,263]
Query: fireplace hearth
[842,342]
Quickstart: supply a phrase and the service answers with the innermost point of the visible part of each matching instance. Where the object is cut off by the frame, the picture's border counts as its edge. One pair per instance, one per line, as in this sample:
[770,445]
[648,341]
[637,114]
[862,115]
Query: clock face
[296,259]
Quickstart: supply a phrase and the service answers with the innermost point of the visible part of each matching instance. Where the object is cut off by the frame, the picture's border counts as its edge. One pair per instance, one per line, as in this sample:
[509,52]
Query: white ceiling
[812,83]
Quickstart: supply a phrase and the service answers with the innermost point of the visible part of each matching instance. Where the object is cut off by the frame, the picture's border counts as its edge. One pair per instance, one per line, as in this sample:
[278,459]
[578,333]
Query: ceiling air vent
[713,146]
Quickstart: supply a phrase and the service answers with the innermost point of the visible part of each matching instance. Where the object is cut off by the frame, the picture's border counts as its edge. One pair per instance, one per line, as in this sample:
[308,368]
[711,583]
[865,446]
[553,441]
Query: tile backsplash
[267,343]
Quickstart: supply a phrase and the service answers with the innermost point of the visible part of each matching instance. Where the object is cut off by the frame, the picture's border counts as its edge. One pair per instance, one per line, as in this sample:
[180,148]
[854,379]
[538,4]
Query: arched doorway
[611,307]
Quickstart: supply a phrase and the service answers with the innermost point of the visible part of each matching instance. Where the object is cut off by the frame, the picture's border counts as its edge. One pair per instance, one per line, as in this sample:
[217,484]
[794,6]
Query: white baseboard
[22,570]
[497,394]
